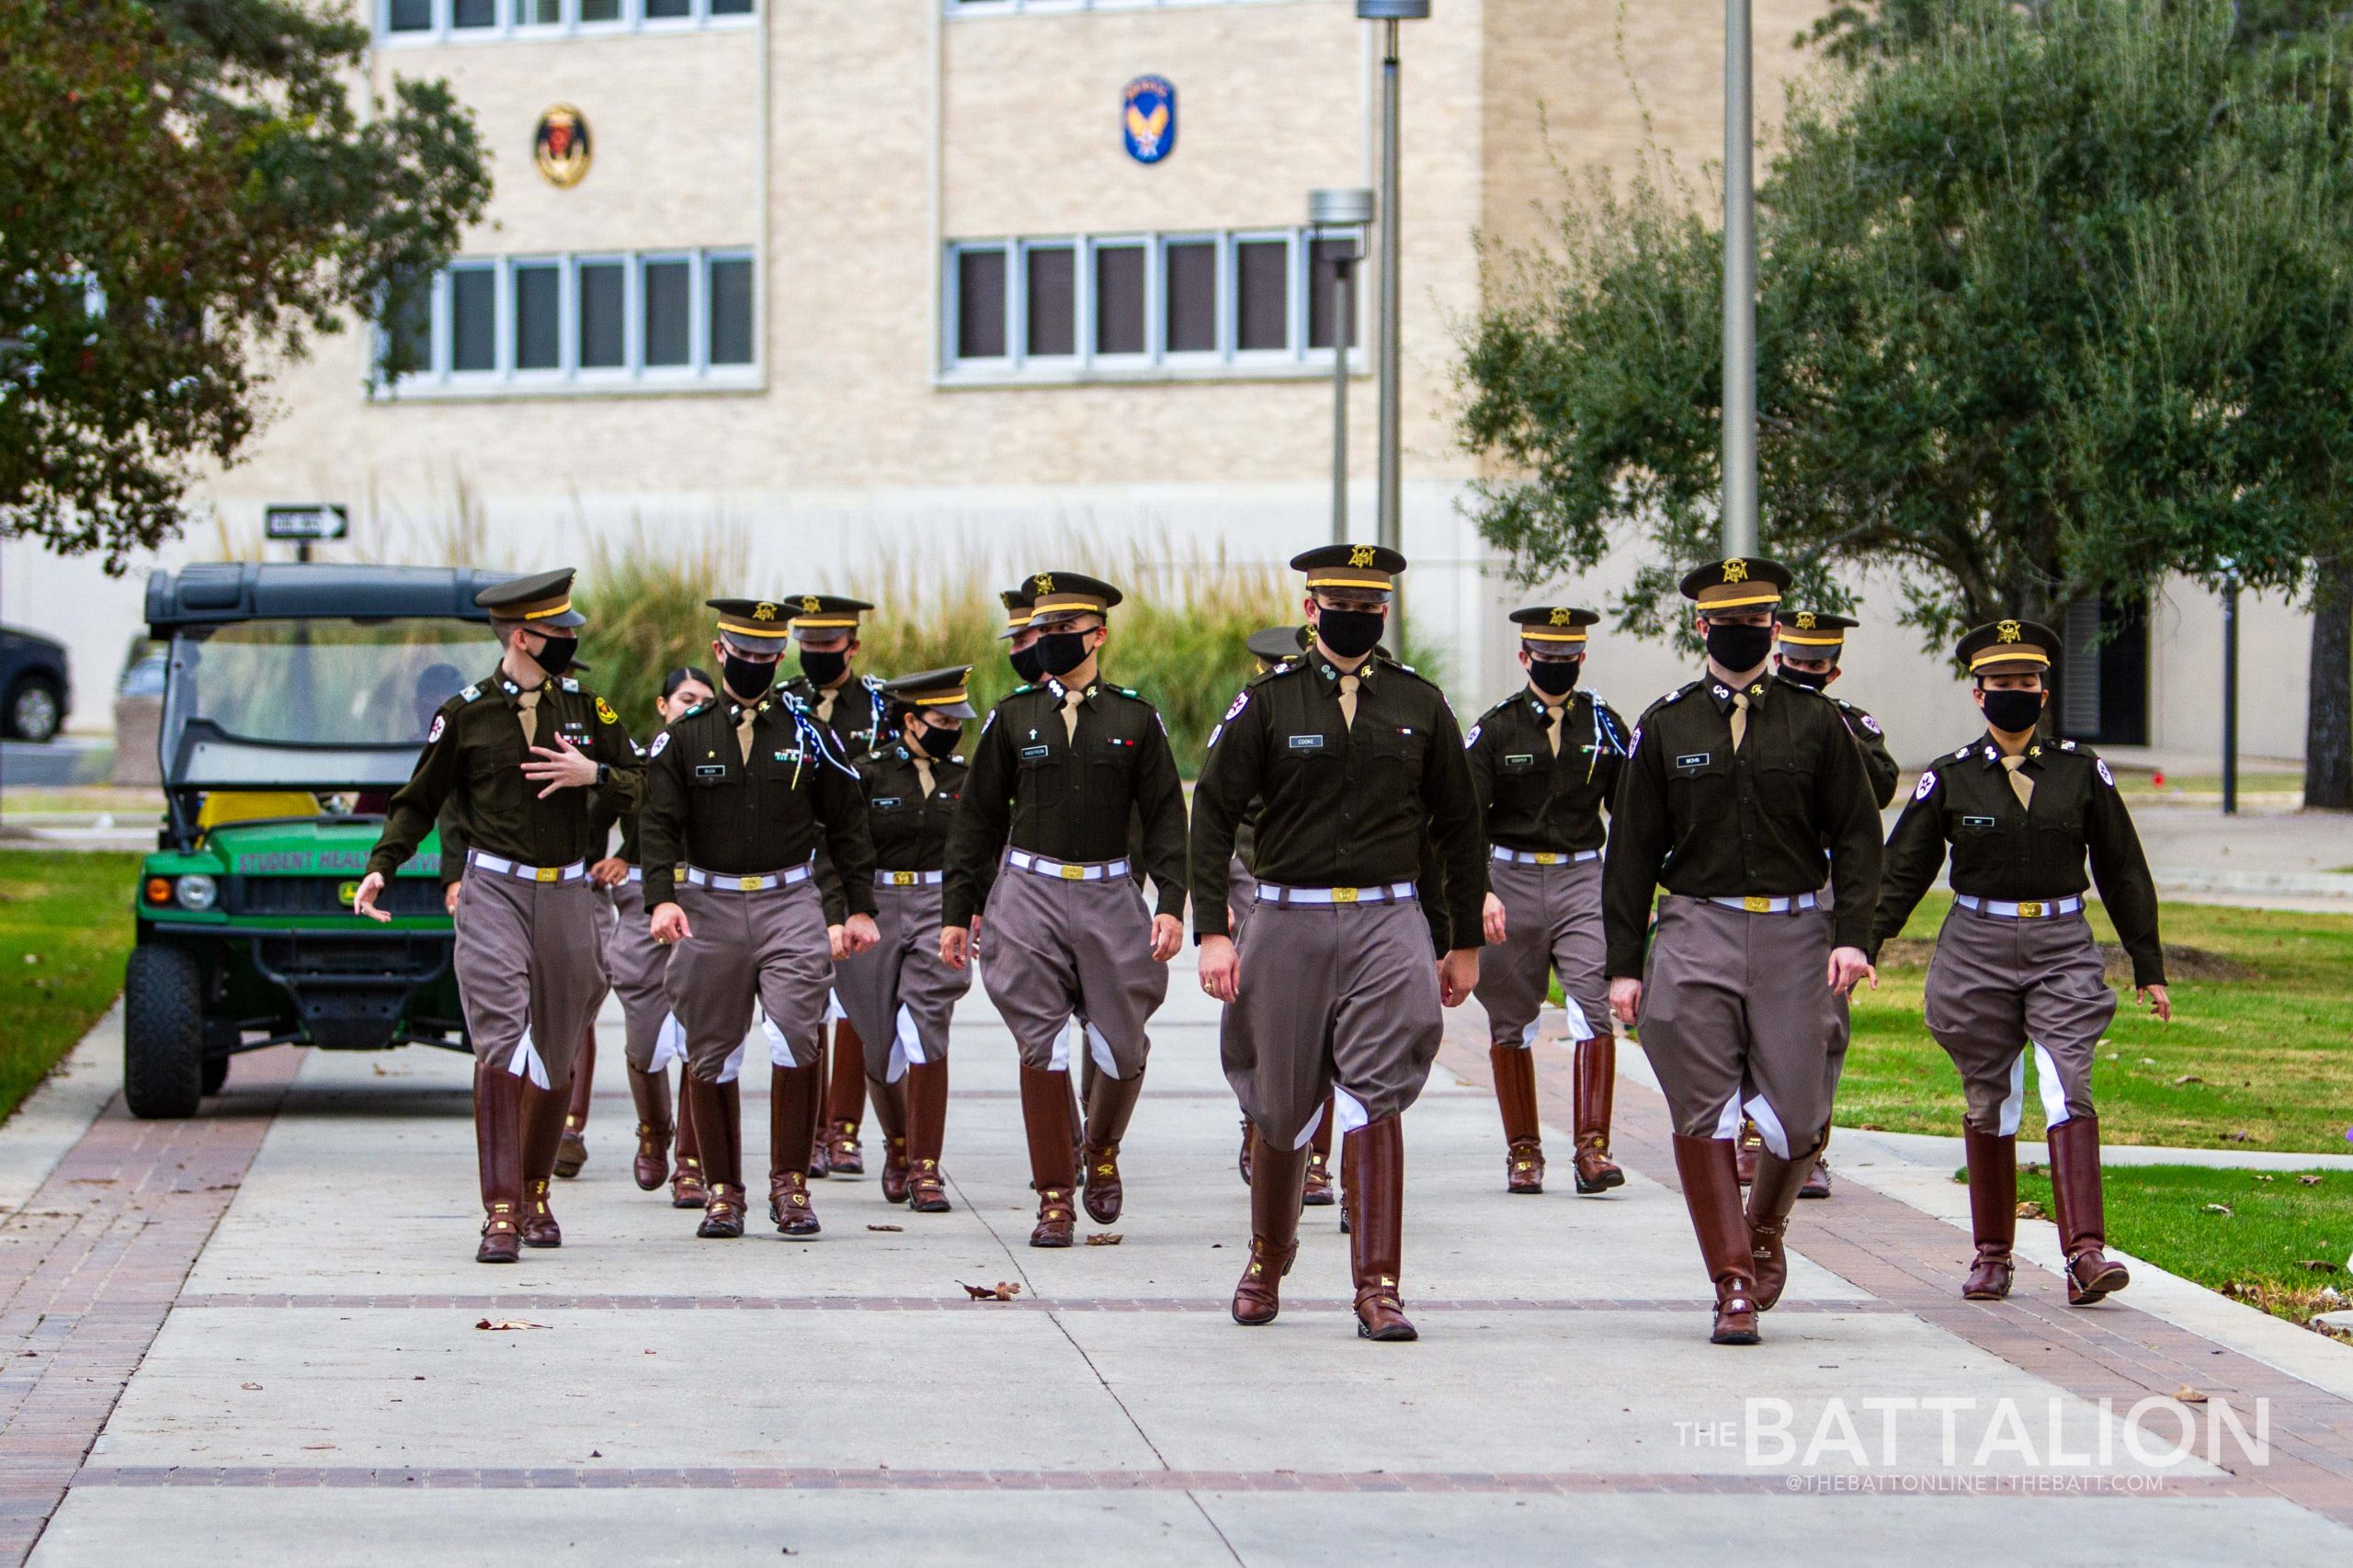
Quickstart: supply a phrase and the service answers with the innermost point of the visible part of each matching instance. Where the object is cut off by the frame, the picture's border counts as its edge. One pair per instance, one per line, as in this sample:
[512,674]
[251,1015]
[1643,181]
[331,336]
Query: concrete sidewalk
[314,1367]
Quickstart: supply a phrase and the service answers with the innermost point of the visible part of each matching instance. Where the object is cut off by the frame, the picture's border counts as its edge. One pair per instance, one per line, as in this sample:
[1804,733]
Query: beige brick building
[852,276]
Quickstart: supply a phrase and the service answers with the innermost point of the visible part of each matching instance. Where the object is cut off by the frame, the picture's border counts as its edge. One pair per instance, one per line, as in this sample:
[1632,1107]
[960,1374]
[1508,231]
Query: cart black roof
[220,594]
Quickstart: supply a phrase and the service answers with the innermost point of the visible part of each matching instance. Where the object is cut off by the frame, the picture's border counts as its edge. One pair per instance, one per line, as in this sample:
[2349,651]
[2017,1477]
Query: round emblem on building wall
[1148,118]
[559,145]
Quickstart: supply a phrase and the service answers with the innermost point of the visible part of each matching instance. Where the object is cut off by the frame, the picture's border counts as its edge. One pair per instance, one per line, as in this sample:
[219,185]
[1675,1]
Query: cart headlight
[195,892]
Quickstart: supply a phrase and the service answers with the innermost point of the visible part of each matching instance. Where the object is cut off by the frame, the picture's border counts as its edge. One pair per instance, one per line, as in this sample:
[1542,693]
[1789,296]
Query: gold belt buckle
[1345,895]
[1071,873]
[546,873]
[748,884]
[1547,858]
[1758,904]
[2030,910]
[903,878]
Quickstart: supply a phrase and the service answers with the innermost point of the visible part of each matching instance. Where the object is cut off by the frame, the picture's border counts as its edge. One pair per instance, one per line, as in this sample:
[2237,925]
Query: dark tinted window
[979,304]
[604,327]
[1262,282]
[669,322]
[410,16]
[1192,297]
[410,323]
[538,317]
[529,12]
[473,13]
[473,318]
[1054,304]
[731,310]
[1322,300]
[1118,300]
[662,10]
[731,7]
[600,10]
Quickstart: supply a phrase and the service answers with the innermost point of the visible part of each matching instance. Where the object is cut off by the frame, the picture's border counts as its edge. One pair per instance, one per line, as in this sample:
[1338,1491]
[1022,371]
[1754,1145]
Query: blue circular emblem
[1148,118]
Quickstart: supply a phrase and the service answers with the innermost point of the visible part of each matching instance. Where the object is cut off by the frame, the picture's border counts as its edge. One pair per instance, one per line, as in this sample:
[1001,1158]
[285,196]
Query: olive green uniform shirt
[1533,799]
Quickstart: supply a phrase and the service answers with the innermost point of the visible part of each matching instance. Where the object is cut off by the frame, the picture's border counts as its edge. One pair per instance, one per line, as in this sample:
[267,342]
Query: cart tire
[216,1073]
[162,1032]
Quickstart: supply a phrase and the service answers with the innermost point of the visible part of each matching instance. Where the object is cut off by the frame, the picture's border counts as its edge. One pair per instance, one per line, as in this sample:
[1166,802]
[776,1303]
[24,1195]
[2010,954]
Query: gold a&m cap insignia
[1043,582]
[2008,631]
[1563,617]
[1360,556]
[1805,620]
[810,604]
[763,611]
[1735,570]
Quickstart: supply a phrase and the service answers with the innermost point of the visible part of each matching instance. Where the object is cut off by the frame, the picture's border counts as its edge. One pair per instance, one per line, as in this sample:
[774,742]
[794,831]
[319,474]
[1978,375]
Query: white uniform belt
[2029,909]
[1542,857]
[1390,892]
[498,865]
[723,881]
[1069,871]
[909,878]
[1766,903]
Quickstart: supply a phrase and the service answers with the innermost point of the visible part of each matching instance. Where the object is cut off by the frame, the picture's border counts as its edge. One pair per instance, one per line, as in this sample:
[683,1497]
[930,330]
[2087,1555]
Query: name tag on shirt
[1521,759]
[1695,759]
[710,770]
[886,804]
[1029,752]
[1307,743]
[1977,822]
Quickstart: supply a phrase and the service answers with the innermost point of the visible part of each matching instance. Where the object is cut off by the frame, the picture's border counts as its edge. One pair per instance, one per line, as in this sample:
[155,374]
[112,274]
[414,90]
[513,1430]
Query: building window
[1069,308]
[538,325]
[427,21]
[1010,7]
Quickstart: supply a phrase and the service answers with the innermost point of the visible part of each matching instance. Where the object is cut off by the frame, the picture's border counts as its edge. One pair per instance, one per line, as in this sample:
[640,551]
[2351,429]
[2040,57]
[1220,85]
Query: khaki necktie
[743,733]
[2020,785]
[1739,719]
[527,709]
[923,776]
[1071,700]
[826,705]
[1348,684]
[1553,729]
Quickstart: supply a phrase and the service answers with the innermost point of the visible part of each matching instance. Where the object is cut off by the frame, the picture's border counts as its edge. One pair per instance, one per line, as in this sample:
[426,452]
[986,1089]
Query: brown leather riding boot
[1374,1160]
[1316,1192]
[498,1145]
[1751,1143]
[543,1113]
[572,1147]
[1597,1081]
[1274,1231]
[2083,1222]
[926,1095]
[1817,1180]
[650,1092]
[845,1103]
[1045,1116]
[793,1099]
[1712,1192]
[1242,1161]
[687,1188]
[821,1164]
[1771,1199]
[1515,1071]
[890,1116]
[719,1126]
[1993,1212]
[1110,1104]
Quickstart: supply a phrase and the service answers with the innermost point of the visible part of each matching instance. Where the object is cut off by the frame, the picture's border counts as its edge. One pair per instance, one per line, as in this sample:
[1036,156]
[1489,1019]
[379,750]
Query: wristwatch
[604,774]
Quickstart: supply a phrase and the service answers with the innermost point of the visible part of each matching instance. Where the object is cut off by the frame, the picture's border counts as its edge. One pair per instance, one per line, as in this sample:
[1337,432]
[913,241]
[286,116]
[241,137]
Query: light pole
[1344,214]
[2230,687]
[1737,520]
[1389,13]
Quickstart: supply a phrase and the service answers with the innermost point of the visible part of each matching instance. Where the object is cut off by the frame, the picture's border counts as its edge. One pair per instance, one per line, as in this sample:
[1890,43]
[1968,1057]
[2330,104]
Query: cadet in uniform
[1060,772]
[519,760]
[898,993]
[740,794]
[1019,637]
[650,1036]
[1543,763]
[2014,962]
[851,710]
[1807,646]
[1735,785]
[1356,763]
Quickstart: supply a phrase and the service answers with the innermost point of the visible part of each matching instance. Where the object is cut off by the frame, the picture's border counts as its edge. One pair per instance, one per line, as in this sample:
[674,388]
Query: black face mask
[1059,653]
[1554,678]
[939,742]
[1738,648]
[823,669]
[746,679]
[2014,711]
[1813,680]
[1027,663]
[1351,633]
[556,653]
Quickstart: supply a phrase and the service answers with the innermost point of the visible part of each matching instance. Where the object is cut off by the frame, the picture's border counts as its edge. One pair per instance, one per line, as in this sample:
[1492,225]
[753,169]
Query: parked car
[38,687]
[292,695]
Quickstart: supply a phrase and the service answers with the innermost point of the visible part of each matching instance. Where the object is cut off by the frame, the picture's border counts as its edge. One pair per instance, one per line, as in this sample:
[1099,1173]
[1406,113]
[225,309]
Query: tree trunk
[2328,714]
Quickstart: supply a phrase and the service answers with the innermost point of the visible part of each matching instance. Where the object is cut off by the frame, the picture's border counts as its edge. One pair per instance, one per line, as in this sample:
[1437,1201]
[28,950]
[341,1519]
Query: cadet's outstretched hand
[563,766]
[1626,1000]
[2159,1003]
[1458,976]
[1491,916]
[956,945]
[670,925]
[858,933]
[609,872]
[1848,969]
[364,901]
[1167,936]
[450,898]
[1220,968]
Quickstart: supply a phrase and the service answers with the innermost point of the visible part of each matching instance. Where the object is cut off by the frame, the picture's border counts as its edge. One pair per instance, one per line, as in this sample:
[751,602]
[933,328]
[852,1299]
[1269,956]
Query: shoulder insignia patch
[2066,745]
[568,683]
[470,693]
[2099,764]
[992,718]
[1241,701]
[1635,745]
[661,740]
[439,725]
[1868,723]
[1927,786]
[605,713]
[1473,738]
[1215,731]
[637,748]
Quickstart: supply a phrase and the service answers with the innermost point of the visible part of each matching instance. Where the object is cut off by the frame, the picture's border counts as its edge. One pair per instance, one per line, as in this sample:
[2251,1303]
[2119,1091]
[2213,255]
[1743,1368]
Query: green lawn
[2257,1056]
[65,926]
[2277,1240]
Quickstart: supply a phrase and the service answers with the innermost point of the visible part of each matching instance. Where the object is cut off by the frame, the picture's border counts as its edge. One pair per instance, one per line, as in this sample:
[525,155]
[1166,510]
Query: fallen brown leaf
[2188,1395]
[1000,1291]
[2029,1209]
[2261,1175]
[2221,1209]
[2321,1265]
[316,1447]
[2308,1181]
[500,1325]
[886,1227]
[1105,1239]
[254,1387]
[2238,1135]
[2188,1079]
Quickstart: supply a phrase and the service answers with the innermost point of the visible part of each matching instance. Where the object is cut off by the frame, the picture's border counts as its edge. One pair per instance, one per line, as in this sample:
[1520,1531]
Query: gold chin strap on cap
[1739,719]
[2020,785]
